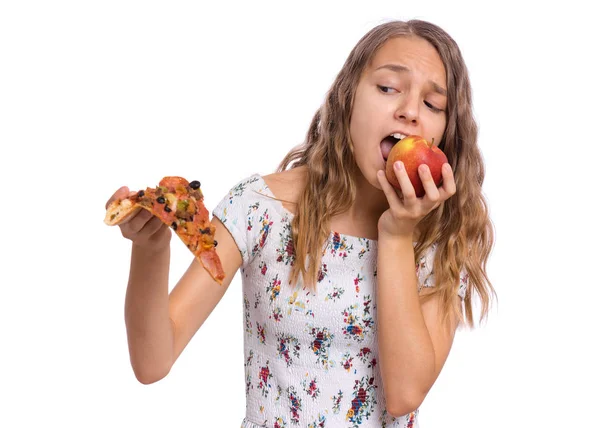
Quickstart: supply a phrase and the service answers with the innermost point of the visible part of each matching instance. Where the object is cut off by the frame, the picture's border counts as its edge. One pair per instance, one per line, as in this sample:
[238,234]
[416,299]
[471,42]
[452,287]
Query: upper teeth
[398,136]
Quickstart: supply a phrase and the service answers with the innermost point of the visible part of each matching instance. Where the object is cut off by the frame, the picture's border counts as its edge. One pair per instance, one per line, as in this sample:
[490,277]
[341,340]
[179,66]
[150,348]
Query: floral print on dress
[288,347]
[248,367]
[247,316]
[277,314]
[266,224]
[347,359]
[357,282]
[257,299]
[251,209]
[310,356]
[318,423]
[363,401]
[280,423]
[298,302]
[248,383]
[322,273]
[274,288]
[321,344]
[366,247]
[264,376]
[311,388]
[295,405]
[286,252]
[335,294]
[240,188]
[364,354]
[339,246]
[263,268]
[250,358]
[357,324]
[337,401]
[260,333]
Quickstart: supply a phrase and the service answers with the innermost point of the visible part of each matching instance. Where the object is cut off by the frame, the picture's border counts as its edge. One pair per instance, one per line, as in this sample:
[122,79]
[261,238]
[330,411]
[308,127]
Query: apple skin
[413,151]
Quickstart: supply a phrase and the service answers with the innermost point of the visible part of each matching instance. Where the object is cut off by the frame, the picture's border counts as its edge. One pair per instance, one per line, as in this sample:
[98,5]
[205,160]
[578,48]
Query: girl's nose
[408,109]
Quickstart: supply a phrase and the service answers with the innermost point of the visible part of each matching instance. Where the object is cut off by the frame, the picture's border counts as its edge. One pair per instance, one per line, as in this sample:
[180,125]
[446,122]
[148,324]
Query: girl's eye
[386,89]
[432,107]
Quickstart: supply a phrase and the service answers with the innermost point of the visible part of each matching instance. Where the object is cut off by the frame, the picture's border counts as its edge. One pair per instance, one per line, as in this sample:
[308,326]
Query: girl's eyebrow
[394,67]
[397,68]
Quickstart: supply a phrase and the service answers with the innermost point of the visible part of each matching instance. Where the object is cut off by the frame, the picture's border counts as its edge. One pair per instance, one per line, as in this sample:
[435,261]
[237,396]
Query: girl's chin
[368,173]
[372,179]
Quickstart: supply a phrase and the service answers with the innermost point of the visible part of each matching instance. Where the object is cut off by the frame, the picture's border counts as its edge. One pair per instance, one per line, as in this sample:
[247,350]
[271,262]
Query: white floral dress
[311,359]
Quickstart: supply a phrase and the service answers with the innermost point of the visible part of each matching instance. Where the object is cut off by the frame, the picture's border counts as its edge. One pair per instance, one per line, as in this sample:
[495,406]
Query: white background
[95,95]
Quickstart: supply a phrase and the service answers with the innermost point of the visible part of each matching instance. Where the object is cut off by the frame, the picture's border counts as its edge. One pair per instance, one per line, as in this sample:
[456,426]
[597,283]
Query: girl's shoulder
[281,190]
[287,186]
[255,205]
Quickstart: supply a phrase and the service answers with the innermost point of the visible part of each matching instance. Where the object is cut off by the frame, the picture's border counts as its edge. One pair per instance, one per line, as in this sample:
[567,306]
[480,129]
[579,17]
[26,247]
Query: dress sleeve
[238,211]
[426,276]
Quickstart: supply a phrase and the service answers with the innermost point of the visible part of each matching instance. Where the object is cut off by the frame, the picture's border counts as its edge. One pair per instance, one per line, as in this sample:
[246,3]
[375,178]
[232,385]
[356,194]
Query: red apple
[413,151]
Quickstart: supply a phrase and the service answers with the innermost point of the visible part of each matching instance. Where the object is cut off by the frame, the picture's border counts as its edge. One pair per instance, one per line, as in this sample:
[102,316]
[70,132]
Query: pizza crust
[120,211]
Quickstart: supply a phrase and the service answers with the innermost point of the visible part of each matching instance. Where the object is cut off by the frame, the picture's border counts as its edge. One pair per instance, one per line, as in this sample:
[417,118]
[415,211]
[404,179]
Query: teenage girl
[352,290]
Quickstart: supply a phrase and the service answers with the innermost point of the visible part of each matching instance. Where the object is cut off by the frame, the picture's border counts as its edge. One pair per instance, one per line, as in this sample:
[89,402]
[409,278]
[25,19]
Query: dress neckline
[271,195]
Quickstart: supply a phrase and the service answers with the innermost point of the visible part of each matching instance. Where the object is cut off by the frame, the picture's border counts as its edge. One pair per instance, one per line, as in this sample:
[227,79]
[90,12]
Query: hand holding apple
[413,151]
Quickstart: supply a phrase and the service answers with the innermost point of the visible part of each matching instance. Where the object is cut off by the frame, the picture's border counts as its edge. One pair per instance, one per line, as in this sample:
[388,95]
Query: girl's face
[402,91]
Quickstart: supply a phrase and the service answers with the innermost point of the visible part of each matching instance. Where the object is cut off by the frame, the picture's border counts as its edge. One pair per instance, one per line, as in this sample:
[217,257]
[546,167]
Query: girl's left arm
[413,342]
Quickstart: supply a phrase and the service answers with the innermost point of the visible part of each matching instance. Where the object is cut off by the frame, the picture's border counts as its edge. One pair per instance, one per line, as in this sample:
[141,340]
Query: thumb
[122,193]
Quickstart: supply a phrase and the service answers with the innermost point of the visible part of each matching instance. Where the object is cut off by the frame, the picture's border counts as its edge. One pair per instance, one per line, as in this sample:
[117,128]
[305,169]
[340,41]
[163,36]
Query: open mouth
[388,142]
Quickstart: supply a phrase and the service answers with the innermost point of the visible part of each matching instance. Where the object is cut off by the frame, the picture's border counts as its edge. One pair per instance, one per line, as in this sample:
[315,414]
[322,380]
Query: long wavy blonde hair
[460,227]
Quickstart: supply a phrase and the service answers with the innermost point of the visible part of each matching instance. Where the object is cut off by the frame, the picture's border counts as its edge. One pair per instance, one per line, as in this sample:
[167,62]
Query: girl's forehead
[412,52]
[403,45]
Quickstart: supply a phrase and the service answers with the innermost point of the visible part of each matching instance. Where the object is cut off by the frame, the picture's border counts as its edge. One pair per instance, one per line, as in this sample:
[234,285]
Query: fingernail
[398,165]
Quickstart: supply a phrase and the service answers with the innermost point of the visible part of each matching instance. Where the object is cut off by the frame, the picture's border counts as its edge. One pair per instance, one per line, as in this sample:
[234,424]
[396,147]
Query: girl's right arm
[159,326]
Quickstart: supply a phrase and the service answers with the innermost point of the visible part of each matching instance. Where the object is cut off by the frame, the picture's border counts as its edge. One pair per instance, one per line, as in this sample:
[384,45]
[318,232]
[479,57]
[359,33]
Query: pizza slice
[179,204]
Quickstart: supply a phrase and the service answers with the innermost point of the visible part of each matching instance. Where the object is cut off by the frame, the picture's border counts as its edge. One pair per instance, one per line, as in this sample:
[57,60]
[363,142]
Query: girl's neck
[362,218]
[363,215]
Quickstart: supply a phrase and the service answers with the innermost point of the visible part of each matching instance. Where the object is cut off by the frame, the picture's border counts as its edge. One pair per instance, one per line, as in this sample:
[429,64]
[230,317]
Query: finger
[152,226]
[431,190]
[408,191]
[122,193]
[389,191]
[448,185]
[137,222]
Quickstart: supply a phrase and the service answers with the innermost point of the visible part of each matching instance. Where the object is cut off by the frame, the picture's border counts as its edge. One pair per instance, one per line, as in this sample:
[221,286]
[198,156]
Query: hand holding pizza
[141,227]
[175,203]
